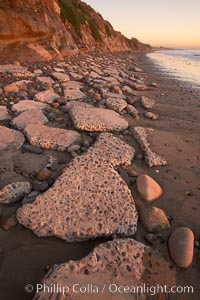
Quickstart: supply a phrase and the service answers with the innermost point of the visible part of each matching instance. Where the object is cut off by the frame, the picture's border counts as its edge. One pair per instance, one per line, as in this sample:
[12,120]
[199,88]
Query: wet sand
[25,257]
[178,140]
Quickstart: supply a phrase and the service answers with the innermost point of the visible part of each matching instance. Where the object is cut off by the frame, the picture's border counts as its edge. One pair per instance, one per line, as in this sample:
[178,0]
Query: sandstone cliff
[49,29]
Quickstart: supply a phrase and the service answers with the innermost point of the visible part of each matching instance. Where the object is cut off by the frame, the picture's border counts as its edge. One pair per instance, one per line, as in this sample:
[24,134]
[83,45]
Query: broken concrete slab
[147,103]
[46,81]
[15,70]
[14,192]
[113,95]
[61,77]
[4,115]
[29,117]
[25,105]
[90,198]
[75,76]
[152,159]
[22,84]
[72,90]
[89,118]
[47,96]
[115,104]
[51,138]
[127,89]
[151,116]
[133,111]
[139,86]
[10,138]
[115,270]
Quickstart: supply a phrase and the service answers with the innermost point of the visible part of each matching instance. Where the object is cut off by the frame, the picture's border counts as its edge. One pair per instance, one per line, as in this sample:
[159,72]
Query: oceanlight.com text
[109,288]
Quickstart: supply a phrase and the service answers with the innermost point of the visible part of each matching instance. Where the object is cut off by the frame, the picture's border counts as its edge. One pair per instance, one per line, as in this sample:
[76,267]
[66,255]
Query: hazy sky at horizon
[172,23]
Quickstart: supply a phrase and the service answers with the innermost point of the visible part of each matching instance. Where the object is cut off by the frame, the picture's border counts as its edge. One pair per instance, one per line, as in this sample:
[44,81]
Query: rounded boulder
[148,188]
[181,246]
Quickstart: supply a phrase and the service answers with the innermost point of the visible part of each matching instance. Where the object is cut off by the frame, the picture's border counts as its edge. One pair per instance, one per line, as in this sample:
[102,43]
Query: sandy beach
[25,257]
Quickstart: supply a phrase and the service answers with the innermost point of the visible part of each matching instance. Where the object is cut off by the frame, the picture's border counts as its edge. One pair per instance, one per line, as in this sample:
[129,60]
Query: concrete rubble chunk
[115,104]
[47,96]
[14,192]
[4,115]
[75,76]
[113,95]
[51,138]
[138,86]
[90,198]
[150,115]
[128,90]
[111,80]
[133,111]
[118,263]
[59,70]
[46,80]
[22,84]
[152,159]
[136,69]
[11,89]
[61,77]
[25,105]
[29,117]
[93,75]
[15,70]
[37,72]
[10,138]
[147,103]
[89,118]
[72,90]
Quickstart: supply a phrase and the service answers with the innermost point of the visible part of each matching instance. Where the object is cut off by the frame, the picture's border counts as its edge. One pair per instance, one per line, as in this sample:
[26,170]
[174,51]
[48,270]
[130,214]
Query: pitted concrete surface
[89,199]
[89,118]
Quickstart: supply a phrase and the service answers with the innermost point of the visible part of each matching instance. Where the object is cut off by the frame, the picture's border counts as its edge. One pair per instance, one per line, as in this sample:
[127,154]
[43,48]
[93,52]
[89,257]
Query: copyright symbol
[28,288]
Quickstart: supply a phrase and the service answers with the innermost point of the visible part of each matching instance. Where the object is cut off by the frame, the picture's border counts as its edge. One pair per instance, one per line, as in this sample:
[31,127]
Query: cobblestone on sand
[29,117]
[14,192]
[154,219]
[89,118]
[51,138]
[47,96]
[148,188]
[25,105]
[181,246]
[10,139]
[89,199]
[122,262]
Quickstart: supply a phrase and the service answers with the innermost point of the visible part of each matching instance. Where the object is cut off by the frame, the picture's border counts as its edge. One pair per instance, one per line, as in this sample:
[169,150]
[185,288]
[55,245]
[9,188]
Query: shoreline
[170,75]
[176,137]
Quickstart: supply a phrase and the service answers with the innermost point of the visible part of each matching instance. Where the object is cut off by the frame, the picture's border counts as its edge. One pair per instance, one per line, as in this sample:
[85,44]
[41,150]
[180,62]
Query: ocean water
[183,65]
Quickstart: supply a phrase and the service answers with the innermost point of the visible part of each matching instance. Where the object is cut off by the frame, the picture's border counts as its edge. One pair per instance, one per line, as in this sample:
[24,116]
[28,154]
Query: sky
[168,23]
